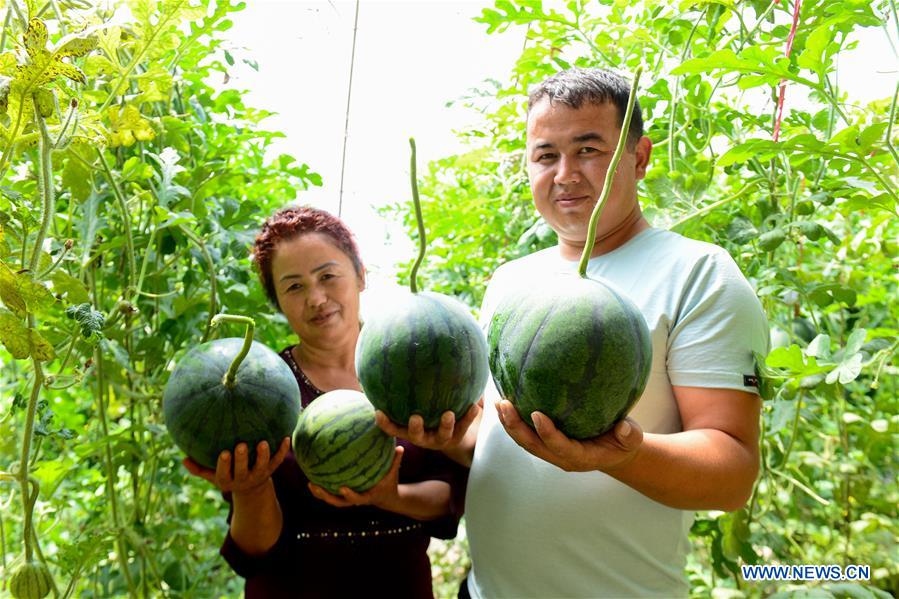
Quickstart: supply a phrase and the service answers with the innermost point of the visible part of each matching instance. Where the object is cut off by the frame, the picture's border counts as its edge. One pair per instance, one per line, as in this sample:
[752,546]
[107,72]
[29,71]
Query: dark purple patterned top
[326,551]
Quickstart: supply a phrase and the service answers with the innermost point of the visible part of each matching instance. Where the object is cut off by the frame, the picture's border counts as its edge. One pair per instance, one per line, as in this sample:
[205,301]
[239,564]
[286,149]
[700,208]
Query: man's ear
[643,152]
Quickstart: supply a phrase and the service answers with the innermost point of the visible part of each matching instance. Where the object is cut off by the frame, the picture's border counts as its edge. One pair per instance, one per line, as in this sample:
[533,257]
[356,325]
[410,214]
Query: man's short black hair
[575,86]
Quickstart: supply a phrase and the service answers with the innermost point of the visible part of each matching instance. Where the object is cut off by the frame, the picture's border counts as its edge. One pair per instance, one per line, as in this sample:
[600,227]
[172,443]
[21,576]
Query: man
[548,516]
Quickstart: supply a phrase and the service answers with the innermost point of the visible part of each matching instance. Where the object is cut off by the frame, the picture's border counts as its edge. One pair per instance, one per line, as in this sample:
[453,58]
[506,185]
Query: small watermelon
[338,444]
[31,581]
[207,413]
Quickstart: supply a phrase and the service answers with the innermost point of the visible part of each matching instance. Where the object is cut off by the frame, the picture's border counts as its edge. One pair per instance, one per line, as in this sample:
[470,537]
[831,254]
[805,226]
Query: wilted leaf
[14,335]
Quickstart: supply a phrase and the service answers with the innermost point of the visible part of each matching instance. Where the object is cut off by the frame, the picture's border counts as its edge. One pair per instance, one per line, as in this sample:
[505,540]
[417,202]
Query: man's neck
[609,240]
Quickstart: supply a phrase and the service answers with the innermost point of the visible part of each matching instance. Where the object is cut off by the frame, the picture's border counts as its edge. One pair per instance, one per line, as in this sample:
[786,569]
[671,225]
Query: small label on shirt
[750,380]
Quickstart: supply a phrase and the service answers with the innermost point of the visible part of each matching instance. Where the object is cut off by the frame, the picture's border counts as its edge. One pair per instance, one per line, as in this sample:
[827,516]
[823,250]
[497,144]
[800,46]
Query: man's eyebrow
[316,269]
[589,136]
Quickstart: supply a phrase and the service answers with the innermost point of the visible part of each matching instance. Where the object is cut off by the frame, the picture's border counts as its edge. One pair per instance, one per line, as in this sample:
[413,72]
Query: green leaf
[847,371]
[790,358]
[856,341]
[819,347]
[91,321]
[771,240]
[816,48]
[741,230]
[69,287]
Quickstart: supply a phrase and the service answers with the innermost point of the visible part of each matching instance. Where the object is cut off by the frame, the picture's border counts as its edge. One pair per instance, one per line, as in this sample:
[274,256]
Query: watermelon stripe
[437,383]
[531,343]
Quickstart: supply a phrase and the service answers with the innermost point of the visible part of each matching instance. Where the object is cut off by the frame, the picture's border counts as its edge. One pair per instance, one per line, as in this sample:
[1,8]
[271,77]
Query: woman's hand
[384,495]
[449,434]
[241,480]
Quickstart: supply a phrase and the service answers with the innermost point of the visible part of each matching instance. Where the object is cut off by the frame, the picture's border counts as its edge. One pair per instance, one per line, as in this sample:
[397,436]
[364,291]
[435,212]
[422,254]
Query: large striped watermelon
[31,581]
[207,414]
[338,444]
[575,350]
[424,355]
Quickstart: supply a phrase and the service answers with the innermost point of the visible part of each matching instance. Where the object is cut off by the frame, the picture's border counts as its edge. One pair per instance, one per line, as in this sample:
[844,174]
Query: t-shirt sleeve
[719,325]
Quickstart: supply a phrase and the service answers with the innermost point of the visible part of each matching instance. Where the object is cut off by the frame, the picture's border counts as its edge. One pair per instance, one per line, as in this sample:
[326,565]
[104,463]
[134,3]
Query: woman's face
[317,288]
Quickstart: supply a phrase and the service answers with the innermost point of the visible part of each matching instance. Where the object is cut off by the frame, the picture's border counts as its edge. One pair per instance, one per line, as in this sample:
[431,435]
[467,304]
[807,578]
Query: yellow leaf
[9,292]
[40,347]
[7,63]
[14,335]
[35,37]
[44,102]
[127,126]
[77,46]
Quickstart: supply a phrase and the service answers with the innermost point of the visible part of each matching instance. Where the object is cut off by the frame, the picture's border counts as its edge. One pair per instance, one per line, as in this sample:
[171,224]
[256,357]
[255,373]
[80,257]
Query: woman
[287,536]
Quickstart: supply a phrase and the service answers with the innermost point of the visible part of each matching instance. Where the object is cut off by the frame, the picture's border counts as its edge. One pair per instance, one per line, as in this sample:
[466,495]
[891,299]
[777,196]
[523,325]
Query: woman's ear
[362,280]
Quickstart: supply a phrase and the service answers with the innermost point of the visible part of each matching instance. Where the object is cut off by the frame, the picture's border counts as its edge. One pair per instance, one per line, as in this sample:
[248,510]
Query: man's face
[569,150]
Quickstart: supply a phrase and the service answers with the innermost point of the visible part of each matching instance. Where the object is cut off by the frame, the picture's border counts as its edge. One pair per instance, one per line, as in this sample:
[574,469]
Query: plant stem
[231,374]
[213,284]
[794,433]
[672,119]
[610,174]
[422,240]
[110,468]
[24,464]
[6,29]
[126,219]
[714,205]
[45,179]
[889,137]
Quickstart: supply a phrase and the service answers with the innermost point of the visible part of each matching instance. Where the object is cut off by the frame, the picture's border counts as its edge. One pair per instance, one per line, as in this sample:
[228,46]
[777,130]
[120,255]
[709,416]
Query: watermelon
[338,444]
[575,350]
[31,581]
[424,355]
[219,396]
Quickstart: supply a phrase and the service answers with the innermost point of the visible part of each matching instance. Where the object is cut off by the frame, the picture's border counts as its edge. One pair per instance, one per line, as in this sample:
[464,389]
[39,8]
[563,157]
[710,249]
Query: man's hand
[448,435]
[607,452]
[240,479]
[382,495]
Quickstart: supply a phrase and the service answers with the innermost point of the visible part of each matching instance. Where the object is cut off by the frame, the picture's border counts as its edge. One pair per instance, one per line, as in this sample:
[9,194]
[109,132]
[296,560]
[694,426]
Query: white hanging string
[346,125]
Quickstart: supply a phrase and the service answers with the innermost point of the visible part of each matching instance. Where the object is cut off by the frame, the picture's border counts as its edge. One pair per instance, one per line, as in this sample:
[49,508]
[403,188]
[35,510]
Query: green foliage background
[130,188]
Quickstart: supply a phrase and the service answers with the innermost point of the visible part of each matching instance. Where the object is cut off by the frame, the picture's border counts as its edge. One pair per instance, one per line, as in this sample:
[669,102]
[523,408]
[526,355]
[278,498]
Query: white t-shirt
[537,531]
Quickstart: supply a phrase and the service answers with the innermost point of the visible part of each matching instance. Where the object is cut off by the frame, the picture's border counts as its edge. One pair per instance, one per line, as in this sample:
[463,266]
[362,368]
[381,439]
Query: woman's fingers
[223,471]
[240,462]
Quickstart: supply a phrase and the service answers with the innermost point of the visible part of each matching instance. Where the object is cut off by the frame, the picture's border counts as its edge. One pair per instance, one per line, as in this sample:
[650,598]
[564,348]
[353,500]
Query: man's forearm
[700,469]
[257,520]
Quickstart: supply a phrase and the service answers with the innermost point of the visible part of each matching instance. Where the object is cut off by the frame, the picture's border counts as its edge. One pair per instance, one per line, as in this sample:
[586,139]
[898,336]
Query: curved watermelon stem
[607,186]
[229,379]
[422,241]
